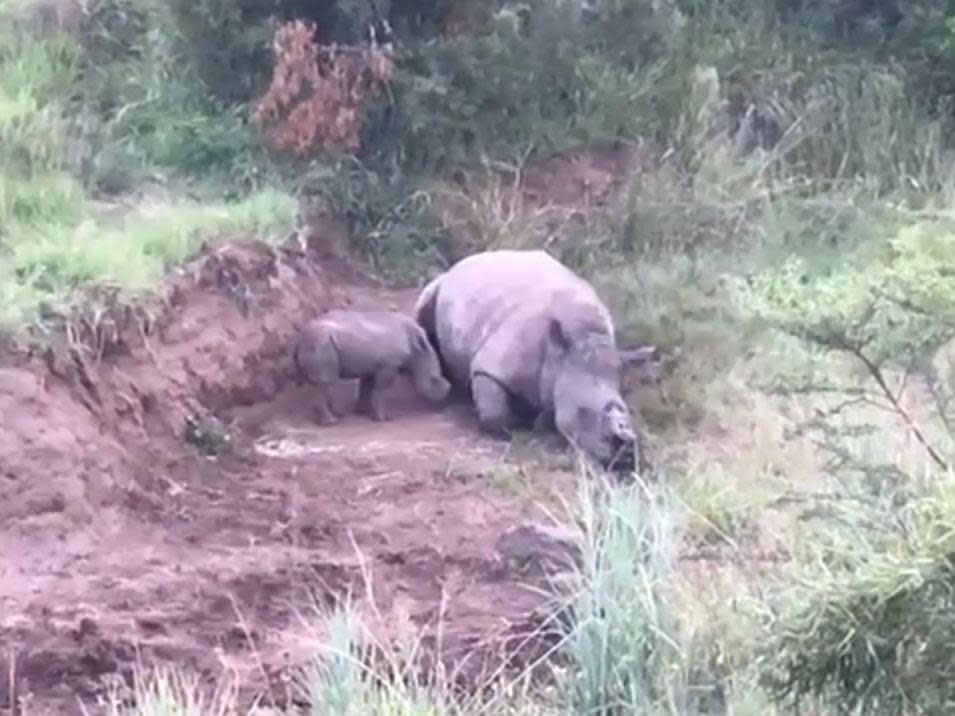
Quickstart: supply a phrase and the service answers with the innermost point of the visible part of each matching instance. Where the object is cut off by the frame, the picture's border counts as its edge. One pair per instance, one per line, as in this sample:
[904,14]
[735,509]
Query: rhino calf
[373,346]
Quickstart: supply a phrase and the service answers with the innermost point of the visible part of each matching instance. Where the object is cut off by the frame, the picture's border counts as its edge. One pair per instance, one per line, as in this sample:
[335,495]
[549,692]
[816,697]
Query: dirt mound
[552,202]
[587,176]
[165,496]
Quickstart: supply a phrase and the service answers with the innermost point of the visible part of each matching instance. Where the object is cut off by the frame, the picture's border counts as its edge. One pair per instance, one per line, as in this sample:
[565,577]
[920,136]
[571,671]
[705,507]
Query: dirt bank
[123,539]
[166,497]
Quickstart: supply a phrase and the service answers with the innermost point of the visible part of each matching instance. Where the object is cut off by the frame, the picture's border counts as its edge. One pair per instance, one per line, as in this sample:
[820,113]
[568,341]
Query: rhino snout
[623,451]
[624,434]
[620,442]
[430,384]
[437,388]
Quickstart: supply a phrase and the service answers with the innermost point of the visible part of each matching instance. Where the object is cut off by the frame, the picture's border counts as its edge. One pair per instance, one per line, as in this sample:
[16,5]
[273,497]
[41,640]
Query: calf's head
[425,369]
[588,408]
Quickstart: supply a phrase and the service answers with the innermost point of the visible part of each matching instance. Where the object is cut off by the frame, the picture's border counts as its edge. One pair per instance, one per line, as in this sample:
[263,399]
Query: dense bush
[862,621]
[870,628]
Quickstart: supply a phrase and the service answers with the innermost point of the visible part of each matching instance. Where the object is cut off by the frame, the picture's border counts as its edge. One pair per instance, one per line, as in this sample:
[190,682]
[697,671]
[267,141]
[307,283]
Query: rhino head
[425,369]
[589,410]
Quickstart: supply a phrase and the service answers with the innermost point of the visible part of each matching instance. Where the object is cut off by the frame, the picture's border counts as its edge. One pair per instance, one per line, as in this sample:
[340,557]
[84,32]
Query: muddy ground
[123,539]
[132,531]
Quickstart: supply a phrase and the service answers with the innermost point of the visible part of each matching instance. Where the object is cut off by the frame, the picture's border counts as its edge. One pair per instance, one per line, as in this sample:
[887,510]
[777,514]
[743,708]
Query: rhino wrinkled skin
[530,338]
[373,346]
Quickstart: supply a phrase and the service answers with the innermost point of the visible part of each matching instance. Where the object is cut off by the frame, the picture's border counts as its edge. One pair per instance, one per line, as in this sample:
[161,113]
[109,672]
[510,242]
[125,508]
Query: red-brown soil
[123,541]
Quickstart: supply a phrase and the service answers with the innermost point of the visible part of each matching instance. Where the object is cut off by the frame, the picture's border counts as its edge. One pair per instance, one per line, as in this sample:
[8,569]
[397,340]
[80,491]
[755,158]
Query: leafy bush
[538,79]
[151,108]
[335,82]
[862,623]
[868,624]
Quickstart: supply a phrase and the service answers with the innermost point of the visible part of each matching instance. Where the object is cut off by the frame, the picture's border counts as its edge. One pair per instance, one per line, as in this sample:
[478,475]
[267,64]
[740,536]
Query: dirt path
[121,541]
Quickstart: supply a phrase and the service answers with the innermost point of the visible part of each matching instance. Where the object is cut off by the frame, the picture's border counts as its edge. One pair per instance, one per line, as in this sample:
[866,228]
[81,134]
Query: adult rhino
[531,339]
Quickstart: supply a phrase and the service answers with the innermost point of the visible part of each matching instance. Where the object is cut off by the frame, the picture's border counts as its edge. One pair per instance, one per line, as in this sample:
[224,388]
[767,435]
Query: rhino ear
[640,357]
[640,366]
[557,334]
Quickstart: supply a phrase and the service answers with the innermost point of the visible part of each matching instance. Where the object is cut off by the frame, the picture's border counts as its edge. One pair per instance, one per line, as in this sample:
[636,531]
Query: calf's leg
[318,363]
[370,393]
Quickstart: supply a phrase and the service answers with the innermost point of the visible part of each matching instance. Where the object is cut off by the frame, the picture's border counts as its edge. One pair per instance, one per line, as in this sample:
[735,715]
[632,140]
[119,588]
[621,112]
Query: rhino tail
[424,311]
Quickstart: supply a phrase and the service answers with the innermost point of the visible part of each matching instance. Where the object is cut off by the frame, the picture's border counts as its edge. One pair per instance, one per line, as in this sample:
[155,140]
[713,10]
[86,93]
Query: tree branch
[876,373]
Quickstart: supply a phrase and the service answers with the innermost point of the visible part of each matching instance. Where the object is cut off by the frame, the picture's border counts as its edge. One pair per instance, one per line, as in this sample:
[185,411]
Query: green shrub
[867,624]
[892,302]
[163,100]
[862,623]
[538,80]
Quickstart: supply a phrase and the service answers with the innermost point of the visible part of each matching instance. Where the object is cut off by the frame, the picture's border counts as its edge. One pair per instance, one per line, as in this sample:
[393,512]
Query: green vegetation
[86,115]
[132,251]
[792,244]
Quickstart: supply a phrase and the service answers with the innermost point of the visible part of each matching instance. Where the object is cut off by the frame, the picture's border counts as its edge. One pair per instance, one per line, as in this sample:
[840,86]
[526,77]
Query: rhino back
[493,311]
[368,340]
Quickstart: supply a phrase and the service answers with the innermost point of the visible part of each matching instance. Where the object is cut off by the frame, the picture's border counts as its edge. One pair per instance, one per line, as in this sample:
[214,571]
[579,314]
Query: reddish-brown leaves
[318,92]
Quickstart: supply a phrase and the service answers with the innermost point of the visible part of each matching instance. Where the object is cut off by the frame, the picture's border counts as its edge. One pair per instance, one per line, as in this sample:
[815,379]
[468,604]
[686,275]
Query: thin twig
[876,373]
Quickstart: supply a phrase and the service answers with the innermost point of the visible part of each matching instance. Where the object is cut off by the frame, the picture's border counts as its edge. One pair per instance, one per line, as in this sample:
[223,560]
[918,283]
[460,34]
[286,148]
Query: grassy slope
[54,238]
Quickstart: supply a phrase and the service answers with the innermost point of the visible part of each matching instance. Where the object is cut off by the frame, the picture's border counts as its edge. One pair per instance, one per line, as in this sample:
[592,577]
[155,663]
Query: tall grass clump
[36,76]
[621,634]
[622,646]
[627,644]
[353,674]
[170,692]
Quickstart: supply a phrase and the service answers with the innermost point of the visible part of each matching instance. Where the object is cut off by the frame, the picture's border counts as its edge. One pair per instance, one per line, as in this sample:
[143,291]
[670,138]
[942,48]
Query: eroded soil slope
[132,531]
[123,540]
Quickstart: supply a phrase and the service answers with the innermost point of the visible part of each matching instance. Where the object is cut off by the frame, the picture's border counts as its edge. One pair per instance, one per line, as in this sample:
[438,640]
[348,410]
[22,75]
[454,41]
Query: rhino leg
[324,415]
[370,393]
[493,408]
[316,361]
[544,422]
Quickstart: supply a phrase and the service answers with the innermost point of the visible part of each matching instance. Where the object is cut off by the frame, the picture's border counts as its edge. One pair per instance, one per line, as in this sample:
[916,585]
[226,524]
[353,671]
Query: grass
[628,636]
[722,510]
[170,692]
[45,265]
[54,239]
[614,625]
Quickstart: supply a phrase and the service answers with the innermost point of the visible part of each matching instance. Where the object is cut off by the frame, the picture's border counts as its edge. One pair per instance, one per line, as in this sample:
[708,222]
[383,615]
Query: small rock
[538,547]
